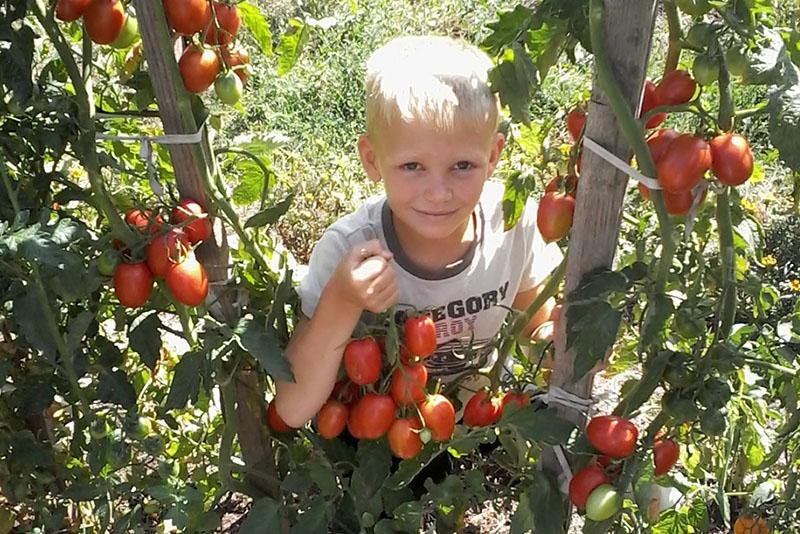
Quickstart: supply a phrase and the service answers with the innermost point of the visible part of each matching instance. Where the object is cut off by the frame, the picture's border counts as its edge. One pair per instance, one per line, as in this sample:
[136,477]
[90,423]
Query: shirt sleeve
[325,257]
[541,258]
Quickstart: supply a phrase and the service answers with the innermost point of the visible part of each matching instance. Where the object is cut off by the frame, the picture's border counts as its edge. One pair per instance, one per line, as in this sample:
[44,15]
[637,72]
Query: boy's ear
[369,159]
[497,148]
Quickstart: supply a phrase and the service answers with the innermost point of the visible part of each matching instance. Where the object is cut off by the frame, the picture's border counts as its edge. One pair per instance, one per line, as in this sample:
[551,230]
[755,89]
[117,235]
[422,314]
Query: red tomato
[649,102]
[103,20]
[199,68]
[659,141]
[554,217]
[683,164]
[584,481]
[362,360]
[576,120]
[187,16]
[482,410]
[665,456]
[404,440]
[609,466]
[520,398]
[676,87]
[439,416]
[237,61]
[371,416]
[165,250]
[228,20]
[187,281]
[345,391]
[132,284]
[332,418]
[420,335]
[274,420]
[612,435]
[69,10]
[199,229]
[408,384]
[731,159]
[676,203]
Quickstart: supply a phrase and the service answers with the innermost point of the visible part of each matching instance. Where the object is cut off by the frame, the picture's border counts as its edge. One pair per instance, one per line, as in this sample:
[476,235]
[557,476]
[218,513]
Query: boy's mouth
[436,213]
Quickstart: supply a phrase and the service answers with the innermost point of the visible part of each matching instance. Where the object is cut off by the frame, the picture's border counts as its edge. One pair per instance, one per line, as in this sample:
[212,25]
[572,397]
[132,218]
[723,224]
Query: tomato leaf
[27,314]
[784,121]
[598,284]
[185,381]
[253,336]
[253,20]
[591,330]
[515,196]
[291,44]
[145,339]
[408,469]
[645,386]
[323,476]
[511,26]
[374,461]
[659,310]
[514,79]
[264,516]
[270,215]
[16,57]
[545,503]
[540,425]
[113,386]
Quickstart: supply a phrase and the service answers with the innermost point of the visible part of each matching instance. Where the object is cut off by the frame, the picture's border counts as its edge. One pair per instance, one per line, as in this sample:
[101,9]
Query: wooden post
[593,241]
[194,165]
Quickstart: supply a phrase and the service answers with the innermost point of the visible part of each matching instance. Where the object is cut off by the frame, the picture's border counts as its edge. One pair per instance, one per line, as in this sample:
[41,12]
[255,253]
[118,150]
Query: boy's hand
[365,278]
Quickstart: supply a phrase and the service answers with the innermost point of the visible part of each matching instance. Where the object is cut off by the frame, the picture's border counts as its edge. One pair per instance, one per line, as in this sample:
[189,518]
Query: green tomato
[228,88]
[700,35]
[604,501]
[736,61]
[705,69]
[687,326]
[129,33]
[712,423]
[120,454]
[106,262]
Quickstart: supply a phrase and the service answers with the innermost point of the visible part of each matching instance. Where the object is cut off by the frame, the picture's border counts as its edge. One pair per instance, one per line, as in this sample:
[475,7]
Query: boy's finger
[371,248]
[369,268]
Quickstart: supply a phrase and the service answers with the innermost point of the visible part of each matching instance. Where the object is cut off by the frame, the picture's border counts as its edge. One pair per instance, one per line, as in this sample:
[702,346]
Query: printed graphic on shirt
[456,357]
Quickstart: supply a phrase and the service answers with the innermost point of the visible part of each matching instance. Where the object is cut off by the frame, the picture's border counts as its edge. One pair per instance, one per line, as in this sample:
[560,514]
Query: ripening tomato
[746,524]
[420,335]
[199,68]
[228,87]
[612,435]
[187,281]
[665,456]
[165,250]
[69,10]
[144,221]
[274,420]
[404,440]
[649,102]
[684,163]
[439,416]
[237,60]
[362,361]
[675,88]
[132,284]
[554,216]
[128,35]
[731,159]
[371,416]
[482,409]
[603,502]
[103,20]
[229,21]
[107,262]
[332,418]
[576,120]
[676,203]
[584,482]
[659,141]
[197,230]
[408,384]
[515,398]
[345,391]
[187,16]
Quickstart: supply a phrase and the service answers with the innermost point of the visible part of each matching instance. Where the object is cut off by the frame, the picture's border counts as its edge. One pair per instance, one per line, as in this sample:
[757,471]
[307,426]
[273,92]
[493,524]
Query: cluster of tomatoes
[209,59]
[615,439]
[105,21]
[376,400]
[168,254]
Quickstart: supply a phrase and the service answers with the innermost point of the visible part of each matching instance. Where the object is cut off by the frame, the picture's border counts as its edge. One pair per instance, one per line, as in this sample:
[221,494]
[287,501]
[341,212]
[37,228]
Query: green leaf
[145,339]
[545,43]
[252,335]
[467,444]
[542,425]
[545,503]
[16,59]
[522,520]
[264,516]
[659,310]
[591,330]
[410,468]
[82,492]
[784,121]
[291,44]
[514,197]
[76,330]
[514,79]
[765,63]
[257,24]
[185,381]
[323,476]
[374,461]
[511,26]
[598,284]
[645,386]
[270,215]
[408,517]
[113,386]
[28,315]
[314,519]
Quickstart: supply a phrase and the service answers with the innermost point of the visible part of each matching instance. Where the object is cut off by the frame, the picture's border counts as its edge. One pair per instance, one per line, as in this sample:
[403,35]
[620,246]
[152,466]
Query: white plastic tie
[556,395]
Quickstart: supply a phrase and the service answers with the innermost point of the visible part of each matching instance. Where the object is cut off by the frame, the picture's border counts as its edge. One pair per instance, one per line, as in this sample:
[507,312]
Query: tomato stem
[726,106]
[674,28]
[726,312]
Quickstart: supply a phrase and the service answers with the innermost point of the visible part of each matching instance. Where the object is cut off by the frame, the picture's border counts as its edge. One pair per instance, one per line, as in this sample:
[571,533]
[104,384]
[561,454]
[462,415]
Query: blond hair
[436,80]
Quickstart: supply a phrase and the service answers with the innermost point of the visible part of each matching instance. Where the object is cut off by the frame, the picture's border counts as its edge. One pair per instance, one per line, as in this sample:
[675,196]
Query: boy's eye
[463,165]
[411,166]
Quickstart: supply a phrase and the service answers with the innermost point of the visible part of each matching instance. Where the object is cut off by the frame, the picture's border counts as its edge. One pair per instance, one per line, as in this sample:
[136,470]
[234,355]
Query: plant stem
[12,194]
[633,133]
[771,366]
[726,312]
[726,106]
[675,45]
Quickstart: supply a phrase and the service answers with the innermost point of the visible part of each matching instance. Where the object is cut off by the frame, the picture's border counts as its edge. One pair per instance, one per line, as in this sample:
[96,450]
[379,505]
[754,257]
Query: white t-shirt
[463,298]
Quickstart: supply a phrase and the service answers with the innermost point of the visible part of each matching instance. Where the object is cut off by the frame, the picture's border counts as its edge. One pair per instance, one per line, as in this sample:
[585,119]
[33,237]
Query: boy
[436,240]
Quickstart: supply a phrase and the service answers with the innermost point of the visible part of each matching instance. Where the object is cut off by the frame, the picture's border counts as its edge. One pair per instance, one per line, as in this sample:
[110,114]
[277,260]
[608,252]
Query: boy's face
[433,179]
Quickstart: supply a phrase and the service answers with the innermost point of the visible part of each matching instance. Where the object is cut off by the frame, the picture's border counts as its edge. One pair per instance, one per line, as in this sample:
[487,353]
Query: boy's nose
[438,190]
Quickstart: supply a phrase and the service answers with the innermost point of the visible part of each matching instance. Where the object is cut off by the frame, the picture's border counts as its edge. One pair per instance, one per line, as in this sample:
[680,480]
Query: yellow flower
[769,261]
[748,206]
[794,285]
[75,172]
